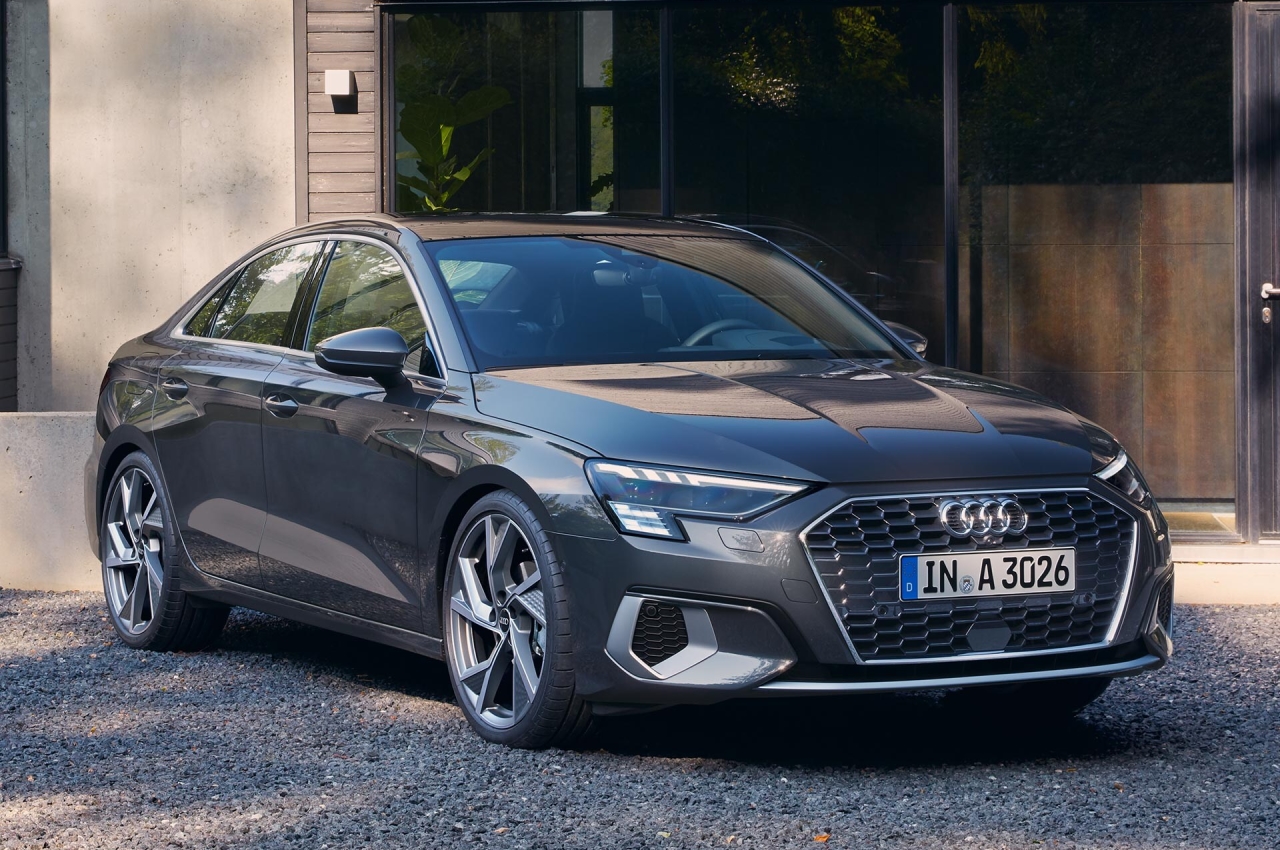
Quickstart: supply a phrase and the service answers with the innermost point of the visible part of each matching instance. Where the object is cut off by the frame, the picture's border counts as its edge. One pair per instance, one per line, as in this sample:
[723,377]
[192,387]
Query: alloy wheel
[498,621]
[132,562]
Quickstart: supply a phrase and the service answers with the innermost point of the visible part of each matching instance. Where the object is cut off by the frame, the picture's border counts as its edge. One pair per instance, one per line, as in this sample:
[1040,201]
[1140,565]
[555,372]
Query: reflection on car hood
[838,420]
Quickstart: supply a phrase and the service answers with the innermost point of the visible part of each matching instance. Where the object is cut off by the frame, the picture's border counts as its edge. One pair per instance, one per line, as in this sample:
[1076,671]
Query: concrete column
[151,142]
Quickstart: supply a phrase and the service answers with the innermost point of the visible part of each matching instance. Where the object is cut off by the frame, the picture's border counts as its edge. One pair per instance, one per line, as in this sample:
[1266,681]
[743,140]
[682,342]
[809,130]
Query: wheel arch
[461,497]
[120,443]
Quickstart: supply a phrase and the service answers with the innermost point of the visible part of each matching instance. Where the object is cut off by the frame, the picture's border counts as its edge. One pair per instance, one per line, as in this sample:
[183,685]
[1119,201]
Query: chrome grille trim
[1121,599]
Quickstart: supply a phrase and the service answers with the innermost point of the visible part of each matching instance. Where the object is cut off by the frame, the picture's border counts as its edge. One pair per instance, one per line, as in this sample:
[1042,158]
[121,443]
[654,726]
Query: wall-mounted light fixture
[340,83]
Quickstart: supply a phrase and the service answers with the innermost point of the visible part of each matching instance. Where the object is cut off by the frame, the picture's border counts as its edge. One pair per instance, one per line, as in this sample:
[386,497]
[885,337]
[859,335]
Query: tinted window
[199,324]
[494,111]
[842,100]
[632,299]
[257,307]
[364,287]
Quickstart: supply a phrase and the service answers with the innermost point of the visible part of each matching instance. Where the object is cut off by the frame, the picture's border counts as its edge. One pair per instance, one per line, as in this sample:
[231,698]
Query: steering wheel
[712,328]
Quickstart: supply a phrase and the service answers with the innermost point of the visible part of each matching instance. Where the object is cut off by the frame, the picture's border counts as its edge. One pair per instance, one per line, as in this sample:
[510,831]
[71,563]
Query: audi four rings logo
[981,517]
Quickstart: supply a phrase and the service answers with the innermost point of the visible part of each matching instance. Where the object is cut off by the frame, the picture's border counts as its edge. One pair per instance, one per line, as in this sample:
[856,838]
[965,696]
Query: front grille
[660,632]
[1164,608]
[855,550]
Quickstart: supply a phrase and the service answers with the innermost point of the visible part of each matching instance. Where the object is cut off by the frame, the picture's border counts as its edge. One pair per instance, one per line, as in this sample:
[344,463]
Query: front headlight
[1123,474]
[646,499]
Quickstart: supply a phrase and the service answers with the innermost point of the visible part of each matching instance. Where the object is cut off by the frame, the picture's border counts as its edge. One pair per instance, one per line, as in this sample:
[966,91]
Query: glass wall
[821,128]
[1097,224]
[1096,217]
[526,111]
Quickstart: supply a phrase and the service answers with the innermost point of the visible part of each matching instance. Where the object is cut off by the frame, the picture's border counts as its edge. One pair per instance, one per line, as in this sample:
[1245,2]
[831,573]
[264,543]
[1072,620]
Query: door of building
[1258,235]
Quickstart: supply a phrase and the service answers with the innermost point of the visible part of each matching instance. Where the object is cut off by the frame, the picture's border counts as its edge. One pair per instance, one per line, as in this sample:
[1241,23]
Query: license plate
[962,574]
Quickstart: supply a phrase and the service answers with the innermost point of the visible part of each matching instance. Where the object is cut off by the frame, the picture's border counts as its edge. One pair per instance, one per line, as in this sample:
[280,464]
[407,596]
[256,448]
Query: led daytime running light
[647,499]
[1108,472]
[696,479]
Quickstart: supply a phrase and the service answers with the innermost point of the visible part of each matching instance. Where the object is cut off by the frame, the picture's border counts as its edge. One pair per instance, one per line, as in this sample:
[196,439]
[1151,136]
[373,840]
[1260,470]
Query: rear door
[341,453]
[208,415]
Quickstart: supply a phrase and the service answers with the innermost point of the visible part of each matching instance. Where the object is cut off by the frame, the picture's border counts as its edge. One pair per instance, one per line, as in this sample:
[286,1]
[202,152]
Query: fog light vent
[1164,608]
[660,632]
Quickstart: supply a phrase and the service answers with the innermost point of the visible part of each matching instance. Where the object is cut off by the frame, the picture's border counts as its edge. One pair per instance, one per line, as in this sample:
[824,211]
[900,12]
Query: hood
[838,421]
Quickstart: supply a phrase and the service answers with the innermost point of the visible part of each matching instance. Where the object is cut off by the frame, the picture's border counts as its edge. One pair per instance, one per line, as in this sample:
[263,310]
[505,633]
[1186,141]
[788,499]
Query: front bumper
[756,620]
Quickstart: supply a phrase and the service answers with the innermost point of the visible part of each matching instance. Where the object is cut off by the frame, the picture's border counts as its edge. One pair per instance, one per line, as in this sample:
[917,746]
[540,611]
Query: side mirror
[377,353]
[915,340]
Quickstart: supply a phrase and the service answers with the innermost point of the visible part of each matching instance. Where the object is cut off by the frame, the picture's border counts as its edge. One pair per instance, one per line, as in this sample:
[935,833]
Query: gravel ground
[287,736]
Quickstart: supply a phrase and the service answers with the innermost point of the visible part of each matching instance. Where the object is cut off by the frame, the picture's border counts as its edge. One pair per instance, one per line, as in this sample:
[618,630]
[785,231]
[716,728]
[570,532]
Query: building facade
[1070,196]
[1075,197]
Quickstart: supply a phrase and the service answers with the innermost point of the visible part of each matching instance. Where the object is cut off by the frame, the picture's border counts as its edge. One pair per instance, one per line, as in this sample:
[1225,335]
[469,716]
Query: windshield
[541,301]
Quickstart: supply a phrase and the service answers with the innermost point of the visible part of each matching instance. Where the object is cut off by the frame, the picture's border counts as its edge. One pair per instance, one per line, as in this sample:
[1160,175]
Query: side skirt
[216,589]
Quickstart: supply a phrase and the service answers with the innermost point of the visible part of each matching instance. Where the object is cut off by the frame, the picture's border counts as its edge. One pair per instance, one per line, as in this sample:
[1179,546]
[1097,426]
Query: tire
[140,555]
[1059,698]
[498,653]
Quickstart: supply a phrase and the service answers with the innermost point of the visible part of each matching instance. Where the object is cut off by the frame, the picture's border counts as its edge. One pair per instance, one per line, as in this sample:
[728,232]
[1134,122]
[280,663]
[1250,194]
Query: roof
[479,225]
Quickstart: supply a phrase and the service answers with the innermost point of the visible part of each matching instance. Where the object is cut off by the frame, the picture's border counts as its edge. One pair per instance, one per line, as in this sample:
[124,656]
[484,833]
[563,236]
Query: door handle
[1269,291]
[174,388]
[280,405]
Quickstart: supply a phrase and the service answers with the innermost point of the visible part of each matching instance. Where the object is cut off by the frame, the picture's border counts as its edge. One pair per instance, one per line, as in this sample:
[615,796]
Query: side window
[257,307]
[364,287]
[199,324]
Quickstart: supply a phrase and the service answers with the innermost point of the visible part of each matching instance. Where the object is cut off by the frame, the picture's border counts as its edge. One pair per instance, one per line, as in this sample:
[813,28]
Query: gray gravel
[287,736]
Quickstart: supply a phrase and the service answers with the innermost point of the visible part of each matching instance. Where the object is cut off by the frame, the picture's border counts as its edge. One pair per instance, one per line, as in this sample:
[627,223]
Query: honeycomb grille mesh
[1164,608]
[660,632]
[856,550]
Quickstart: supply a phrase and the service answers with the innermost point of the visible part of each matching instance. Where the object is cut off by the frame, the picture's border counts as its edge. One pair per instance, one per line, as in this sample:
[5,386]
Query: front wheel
[139,566]
[506,629]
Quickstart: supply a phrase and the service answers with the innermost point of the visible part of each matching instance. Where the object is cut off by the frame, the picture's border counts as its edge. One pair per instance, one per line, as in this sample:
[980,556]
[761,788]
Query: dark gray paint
[341,530]
[209,446]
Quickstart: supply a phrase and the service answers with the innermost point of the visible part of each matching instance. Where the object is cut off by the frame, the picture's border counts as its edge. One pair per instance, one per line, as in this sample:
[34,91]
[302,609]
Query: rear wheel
[506,629]
[139,566]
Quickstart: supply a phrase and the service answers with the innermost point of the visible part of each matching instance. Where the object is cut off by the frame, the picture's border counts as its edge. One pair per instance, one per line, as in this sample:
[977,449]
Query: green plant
[427,124]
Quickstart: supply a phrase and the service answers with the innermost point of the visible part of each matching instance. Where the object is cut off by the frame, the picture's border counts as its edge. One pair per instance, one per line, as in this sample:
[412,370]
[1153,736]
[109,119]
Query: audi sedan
[601,464]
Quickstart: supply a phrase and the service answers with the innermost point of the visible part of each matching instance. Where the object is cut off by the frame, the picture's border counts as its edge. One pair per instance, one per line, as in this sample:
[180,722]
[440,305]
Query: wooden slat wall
[339,152]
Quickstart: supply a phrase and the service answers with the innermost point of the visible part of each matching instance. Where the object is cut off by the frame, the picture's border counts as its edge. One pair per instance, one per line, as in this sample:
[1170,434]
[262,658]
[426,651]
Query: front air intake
[1164,608]
[660,632]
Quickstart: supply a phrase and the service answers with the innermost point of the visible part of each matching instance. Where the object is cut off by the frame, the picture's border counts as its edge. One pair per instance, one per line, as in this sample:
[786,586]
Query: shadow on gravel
[362,662]
[867,731]
[873,731]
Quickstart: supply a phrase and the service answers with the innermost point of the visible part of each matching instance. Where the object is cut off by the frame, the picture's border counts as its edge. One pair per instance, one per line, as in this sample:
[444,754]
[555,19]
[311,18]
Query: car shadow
[358,661]
[874,731]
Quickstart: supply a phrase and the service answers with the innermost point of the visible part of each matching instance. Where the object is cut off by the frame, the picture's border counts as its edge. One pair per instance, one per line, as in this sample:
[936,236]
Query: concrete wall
[151,142]
[43,542]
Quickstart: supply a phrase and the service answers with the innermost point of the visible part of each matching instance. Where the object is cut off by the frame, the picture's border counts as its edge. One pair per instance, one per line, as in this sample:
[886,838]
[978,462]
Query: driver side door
[340,453]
